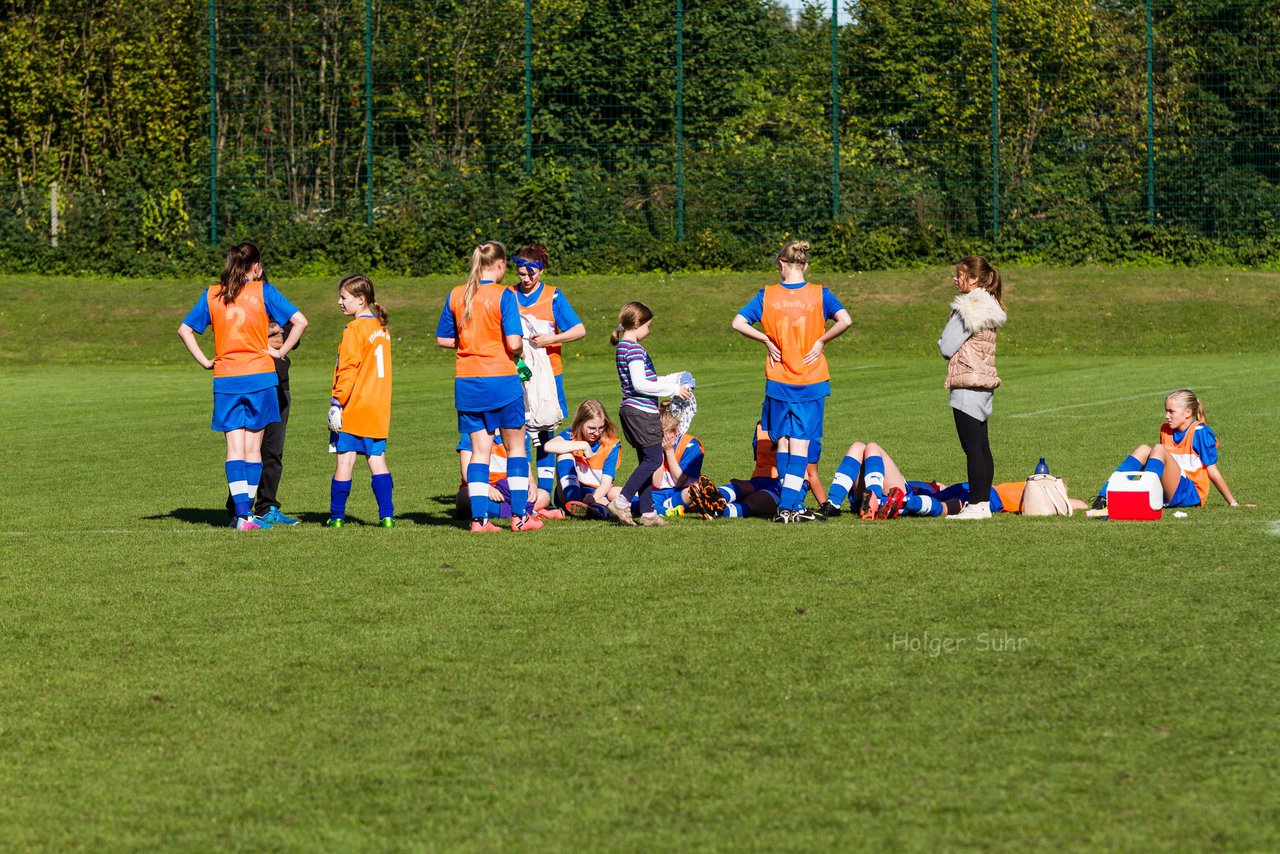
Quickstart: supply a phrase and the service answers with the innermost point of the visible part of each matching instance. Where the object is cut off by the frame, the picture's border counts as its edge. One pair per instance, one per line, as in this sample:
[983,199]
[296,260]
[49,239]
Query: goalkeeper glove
[335,415]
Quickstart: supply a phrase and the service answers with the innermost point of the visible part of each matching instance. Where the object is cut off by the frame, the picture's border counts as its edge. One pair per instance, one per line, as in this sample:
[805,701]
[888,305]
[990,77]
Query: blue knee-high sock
[338,492]
[478,489]
[518,480]
[782,460]
[735,510]
[846,477]
[253,476]
[793,481]
[1157,466]
[922,505]
[1130,463]
[874,475]
[382,487]
[238,484]
[546,471]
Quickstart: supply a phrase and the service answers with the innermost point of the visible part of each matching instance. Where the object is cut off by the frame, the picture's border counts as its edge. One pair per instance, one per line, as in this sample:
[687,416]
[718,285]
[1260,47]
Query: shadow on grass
[194,516]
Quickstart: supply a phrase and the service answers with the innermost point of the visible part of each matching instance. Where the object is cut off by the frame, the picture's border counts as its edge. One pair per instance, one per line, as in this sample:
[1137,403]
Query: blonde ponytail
[482,257]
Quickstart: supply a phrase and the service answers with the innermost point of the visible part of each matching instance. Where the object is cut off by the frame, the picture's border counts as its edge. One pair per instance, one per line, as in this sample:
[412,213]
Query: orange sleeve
[344,373]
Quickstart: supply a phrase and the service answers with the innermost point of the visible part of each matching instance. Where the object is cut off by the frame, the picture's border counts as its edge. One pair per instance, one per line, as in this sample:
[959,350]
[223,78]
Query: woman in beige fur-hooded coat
[968,343]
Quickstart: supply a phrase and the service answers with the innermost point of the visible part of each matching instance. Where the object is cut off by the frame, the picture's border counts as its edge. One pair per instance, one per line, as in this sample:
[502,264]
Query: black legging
[640,484]
[977,452]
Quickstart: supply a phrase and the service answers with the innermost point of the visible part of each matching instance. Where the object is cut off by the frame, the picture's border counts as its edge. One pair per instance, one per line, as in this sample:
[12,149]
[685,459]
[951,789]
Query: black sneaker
[784,517]
[804,514]
[1099,502]
[830,510]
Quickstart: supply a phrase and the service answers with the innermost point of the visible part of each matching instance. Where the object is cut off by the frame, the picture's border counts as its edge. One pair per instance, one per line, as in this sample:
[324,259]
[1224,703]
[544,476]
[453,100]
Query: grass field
[1057,683]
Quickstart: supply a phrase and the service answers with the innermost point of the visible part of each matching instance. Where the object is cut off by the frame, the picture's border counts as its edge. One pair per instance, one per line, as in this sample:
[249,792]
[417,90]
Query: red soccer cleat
[525,523]
[892,504]
[483,527]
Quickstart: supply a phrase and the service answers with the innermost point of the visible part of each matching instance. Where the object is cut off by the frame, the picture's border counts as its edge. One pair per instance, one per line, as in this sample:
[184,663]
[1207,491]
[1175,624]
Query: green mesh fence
[645,134]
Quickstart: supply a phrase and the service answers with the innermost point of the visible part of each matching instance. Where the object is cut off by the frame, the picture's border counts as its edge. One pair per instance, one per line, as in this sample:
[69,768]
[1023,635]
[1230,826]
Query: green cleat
[335,523]
[387,522]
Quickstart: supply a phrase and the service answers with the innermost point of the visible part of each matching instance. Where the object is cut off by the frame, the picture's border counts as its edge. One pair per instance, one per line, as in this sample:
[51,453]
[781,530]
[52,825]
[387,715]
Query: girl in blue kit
[793,316]
[239,307]
[481,321]
[557,324]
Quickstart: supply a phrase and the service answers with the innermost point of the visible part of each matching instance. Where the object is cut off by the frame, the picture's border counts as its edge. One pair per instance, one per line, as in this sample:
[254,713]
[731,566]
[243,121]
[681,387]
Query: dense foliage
[110,101]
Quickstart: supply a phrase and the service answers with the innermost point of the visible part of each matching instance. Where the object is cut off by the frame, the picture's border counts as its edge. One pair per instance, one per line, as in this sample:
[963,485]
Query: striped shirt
[628,352]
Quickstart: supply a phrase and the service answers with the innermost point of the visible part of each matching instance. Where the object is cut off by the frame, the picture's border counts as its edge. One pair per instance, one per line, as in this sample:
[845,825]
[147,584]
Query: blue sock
[846,477]
[793,481]
[252,476]
[338,492]
[239,487]
[478,489]
[382,486]
[922,505]
[734,510]
[782,460]
[518,480]
[546,471]
[874,475]
[1154,465]
[1131,463]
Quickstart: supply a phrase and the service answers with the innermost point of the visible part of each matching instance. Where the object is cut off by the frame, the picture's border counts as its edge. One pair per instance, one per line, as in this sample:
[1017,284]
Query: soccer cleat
[654,521]
[622,515]
[525,523]
[547,513]
[870,504]
[275,517]
[483,526]
[892,504]
[830,509]
[578,509]
[335,523]
[804,514]
[387,522]
[1099,502]
[979,510]
[712,500]
[247,523]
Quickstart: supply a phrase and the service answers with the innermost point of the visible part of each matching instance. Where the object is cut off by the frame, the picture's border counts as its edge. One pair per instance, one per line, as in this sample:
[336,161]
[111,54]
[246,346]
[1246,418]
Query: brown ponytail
[360,286]
[240,260]
[633,315]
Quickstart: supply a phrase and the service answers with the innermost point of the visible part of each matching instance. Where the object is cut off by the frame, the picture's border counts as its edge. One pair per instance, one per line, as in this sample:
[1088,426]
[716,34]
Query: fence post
[680,120]
[1151,122]
[368,112]
[995,126]
[835,110]
[213,130]
[528,87]
[53,213]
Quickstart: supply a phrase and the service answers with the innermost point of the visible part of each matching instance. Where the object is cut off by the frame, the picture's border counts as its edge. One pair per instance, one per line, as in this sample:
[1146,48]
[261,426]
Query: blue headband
[525,262]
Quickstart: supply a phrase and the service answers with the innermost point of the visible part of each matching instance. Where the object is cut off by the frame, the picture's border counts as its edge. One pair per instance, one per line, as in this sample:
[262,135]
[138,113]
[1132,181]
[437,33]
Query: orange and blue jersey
[1194,449]
[794,316]
[485,372]
[240,363]
[689,455]
[362,378]
[590,469]
[547,303]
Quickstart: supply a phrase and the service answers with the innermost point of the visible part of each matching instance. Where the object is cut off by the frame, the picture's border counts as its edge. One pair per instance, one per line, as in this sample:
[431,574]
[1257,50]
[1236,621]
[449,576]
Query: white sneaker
[981,510]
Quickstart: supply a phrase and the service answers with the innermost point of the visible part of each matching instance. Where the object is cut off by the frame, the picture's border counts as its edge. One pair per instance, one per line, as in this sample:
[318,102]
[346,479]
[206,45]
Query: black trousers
[272,459]
[977,452]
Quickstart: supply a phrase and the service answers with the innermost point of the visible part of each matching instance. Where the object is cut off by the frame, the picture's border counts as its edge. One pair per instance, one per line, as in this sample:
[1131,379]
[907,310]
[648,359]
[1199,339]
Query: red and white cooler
[1134,497]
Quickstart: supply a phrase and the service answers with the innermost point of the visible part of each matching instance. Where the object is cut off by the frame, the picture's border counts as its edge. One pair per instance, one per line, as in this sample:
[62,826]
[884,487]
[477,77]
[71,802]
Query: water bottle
[1042,467]
[523,371]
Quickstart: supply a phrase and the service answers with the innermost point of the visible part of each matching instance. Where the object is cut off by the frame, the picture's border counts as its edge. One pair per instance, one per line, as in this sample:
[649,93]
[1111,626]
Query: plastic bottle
[523,371]
[1042,467]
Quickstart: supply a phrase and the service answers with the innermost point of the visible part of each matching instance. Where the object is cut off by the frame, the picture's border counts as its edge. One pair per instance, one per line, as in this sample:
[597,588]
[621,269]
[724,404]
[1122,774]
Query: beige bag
[1045,495]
